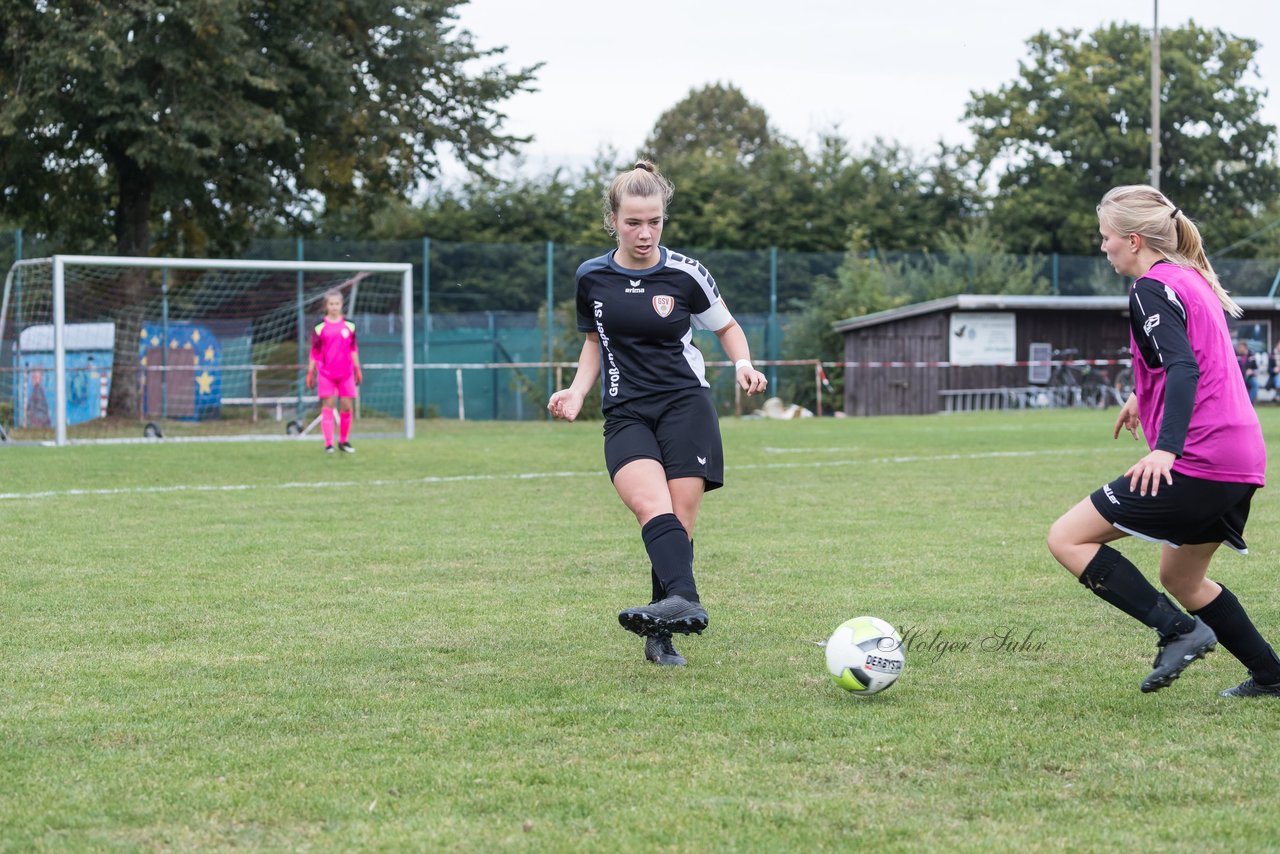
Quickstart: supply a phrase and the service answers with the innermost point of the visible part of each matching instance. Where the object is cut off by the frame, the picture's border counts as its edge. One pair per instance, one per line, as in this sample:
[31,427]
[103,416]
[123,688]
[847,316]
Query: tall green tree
[740,184]
[899,200]
[716,121]
[859,286]
[975,261]
[1076,122]
[125,119]
[716,145]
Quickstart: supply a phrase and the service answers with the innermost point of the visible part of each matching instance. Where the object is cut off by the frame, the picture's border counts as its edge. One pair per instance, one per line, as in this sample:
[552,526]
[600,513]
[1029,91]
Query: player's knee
[647,508]
[1057,540]
[1177,584]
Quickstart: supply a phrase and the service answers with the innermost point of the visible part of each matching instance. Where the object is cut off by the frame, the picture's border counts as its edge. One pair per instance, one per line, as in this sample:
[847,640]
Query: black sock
[1114,579]
[1237,634]
[670,556]
[691,580]
[655,583]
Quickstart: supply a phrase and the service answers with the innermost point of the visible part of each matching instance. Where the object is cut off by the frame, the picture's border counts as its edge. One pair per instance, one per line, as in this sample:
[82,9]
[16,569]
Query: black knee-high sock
[1236,632]
[1114,579]
[656,583]
[670,556]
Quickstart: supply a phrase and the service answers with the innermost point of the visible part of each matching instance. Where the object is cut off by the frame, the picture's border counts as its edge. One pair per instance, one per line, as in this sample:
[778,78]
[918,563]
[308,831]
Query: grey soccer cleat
[660,650]
[673,615]
[1176,652]
[1248,688]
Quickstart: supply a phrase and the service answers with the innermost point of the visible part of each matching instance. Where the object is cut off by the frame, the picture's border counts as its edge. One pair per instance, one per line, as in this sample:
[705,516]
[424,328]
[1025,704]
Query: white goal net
[109,348]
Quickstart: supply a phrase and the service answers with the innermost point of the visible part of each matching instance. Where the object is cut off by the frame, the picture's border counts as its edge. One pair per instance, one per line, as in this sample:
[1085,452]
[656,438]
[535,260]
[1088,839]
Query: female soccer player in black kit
[638,305]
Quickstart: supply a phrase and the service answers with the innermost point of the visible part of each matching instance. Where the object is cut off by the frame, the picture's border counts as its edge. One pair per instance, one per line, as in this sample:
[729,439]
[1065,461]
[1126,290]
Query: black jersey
[645,321]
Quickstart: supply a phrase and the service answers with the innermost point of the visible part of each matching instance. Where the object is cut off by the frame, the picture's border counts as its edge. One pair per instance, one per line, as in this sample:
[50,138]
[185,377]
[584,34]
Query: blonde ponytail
[1139,209]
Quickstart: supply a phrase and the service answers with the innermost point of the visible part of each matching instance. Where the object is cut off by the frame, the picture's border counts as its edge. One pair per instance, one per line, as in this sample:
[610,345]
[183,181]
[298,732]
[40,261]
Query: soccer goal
[102,348]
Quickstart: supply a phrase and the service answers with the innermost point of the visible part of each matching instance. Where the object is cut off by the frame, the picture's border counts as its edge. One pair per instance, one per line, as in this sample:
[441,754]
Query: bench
[279,402]
[1030,397]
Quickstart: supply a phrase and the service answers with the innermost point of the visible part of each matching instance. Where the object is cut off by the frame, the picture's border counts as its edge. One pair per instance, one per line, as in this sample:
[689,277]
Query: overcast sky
[902,70]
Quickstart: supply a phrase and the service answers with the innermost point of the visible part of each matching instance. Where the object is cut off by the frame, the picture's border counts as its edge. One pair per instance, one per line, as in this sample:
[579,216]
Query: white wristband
[743,363]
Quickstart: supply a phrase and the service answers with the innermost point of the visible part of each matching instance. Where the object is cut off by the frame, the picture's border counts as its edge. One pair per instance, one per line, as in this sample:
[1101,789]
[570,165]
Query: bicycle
[1123,384]
[1085,384]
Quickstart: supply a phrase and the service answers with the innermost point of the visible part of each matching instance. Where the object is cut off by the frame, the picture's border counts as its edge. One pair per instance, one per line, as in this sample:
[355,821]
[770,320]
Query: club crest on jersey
[663,305]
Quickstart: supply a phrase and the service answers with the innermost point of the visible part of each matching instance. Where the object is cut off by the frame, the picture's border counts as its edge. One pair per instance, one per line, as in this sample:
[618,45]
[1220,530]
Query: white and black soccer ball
[865,655]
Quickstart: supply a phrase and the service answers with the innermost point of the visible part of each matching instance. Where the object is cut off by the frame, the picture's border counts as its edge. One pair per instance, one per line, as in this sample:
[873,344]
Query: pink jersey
[334,348]
[1223,439]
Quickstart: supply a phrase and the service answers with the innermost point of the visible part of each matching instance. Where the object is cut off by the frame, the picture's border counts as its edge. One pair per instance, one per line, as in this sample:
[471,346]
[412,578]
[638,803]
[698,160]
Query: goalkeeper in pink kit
[334,371]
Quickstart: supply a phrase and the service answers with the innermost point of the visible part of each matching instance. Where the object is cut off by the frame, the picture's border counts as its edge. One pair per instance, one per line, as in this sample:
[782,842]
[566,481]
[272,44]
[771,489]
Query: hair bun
[645,165]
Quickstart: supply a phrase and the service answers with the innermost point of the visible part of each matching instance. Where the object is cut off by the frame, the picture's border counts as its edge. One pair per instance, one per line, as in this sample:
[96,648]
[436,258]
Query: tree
[716,121]
[975,262]
[859,287]
[897,199]
[1076,122]
[201,120]
[740,184]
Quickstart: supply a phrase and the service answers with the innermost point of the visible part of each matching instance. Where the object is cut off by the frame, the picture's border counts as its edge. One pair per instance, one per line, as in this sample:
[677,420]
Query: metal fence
[513,303]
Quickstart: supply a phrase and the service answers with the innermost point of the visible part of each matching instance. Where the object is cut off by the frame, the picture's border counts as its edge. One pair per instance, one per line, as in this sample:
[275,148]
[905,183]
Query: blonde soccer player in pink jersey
[1192,492]
[334,371]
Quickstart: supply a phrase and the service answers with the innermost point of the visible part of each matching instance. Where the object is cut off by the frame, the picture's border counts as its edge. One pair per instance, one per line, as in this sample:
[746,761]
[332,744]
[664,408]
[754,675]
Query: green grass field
[241,645]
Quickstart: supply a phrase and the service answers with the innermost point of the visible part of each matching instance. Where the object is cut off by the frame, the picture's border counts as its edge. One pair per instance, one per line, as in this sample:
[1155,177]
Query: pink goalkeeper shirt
[333,347]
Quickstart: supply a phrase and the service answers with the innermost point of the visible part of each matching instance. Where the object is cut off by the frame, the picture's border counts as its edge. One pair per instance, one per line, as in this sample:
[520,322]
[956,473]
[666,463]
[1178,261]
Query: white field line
[473,478]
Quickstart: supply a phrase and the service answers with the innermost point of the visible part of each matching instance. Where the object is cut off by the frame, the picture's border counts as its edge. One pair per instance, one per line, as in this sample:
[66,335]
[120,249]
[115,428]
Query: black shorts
[680,430]
[1188,512]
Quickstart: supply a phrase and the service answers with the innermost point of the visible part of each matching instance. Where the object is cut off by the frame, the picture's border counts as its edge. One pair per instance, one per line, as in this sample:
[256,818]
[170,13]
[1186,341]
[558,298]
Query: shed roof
[1010,302]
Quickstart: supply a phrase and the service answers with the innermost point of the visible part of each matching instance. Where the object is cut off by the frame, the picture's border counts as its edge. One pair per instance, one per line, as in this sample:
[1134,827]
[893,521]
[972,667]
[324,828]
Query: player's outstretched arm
[1128,418]
[734,342]
[567,403]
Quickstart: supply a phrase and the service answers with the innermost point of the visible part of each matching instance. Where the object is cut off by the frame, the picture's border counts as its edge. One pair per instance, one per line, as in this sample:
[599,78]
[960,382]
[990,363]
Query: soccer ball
[865,656]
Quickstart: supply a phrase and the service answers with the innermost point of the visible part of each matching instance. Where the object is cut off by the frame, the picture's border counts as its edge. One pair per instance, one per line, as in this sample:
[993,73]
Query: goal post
[104,344]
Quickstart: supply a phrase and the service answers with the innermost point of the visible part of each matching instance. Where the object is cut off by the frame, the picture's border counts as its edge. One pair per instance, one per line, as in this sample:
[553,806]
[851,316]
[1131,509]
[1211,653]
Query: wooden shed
[926,357]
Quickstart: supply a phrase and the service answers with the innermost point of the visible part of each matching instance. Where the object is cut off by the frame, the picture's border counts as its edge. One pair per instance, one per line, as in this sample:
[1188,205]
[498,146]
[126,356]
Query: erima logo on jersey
[663,305]
[635,287]
[1151,323]
[702,461]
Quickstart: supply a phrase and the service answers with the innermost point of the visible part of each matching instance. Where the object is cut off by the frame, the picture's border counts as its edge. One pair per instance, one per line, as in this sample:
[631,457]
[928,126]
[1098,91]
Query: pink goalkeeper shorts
[326,387]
